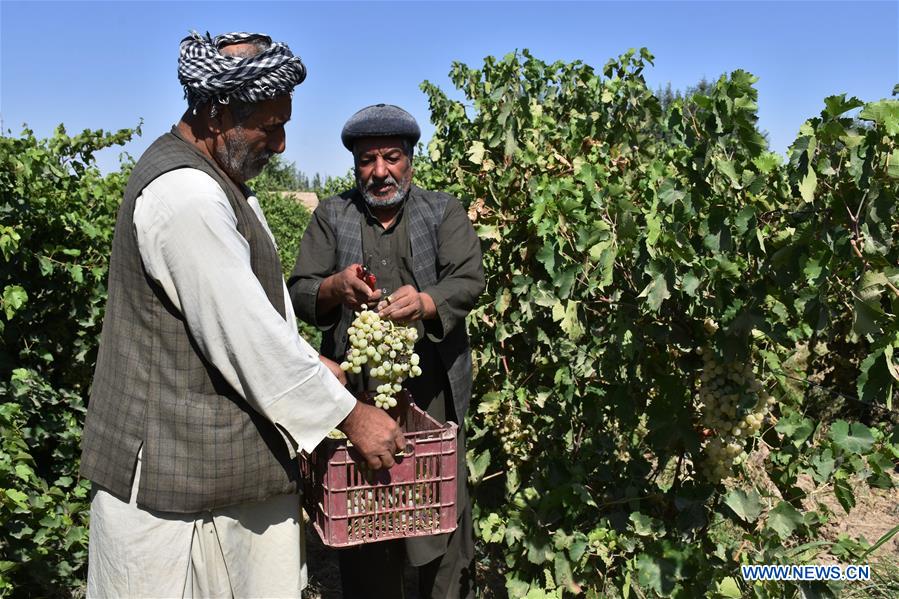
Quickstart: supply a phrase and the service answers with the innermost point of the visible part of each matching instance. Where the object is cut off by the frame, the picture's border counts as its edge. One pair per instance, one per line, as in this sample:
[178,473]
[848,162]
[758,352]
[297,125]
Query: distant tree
[281,175]
[668,95]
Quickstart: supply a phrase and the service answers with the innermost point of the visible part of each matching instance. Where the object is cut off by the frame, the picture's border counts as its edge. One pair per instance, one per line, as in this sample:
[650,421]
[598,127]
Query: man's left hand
[334,367]
[406,304]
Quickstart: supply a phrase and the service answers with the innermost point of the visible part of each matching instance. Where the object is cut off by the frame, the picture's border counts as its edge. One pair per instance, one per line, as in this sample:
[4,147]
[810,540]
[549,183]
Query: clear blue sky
[108,64]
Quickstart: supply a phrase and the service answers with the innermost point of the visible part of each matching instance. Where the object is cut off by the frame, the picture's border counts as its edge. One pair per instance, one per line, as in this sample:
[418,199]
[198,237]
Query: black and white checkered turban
[207,74]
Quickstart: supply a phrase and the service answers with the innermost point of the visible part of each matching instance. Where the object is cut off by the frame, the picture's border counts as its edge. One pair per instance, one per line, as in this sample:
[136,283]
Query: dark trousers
[375,570]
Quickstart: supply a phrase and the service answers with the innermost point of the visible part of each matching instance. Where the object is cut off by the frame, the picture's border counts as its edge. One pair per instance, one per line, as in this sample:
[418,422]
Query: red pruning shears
[366,275]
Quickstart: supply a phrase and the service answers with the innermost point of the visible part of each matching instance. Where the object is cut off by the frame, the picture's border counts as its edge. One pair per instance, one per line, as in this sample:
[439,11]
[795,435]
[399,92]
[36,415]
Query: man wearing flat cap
[426,258]
[203,389]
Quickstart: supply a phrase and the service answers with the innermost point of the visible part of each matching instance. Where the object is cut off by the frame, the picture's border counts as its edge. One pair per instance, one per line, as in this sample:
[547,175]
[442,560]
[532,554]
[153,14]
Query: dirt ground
[876,511]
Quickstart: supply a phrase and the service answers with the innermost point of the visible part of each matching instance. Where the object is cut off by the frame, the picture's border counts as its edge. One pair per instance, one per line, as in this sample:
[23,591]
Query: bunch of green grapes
[733,405]
[387,349]
[516,438]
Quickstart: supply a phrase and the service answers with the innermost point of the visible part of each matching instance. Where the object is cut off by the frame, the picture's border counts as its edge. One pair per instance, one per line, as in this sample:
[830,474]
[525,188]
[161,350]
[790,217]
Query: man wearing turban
[426,259]
[203,389]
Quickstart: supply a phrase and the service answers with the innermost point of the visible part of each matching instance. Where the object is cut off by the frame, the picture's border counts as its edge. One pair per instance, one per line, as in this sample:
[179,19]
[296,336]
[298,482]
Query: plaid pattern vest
[203,446]
[424,210]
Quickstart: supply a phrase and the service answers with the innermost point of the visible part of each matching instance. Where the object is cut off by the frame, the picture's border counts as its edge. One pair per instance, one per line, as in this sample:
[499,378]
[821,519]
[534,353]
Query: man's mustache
[373,182]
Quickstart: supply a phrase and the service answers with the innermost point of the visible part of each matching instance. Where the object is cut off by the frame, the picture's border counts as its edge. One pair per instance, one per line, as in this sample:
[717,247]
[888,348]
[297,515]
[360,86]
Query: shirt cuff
[436,328]
[312,409]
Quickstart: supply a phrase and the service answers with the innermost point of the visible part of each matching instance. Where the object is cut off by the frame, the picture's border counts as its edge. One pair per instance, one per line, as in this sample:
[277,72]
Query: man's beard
[236,159]
[402,189]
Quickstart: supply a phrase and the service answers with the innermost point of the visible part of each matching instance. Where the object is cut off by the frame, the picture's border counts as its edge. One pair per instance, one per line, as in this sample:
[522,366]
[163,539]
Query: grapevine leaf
[823,465]
[838,105]
[767,162]
[795,427]
[547,256]
[656,292]
[853,438]
[604,254]
[728,587]
[18,497]
[570,323]
[515,586]
[563,573]
[746,504]
[874,381]
[808,184]
[14,297]
[885,113]
[476,152]
[843,490]
[690,283]
[784,519]
[655,573]
[893,165]
[492,528]
[477,467]
[726,167]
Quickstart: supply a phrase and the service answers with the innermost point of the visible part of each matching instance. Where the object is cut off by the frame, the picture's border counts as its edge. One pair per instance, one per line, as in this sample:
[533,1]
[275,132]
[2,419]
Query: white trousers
[248,550]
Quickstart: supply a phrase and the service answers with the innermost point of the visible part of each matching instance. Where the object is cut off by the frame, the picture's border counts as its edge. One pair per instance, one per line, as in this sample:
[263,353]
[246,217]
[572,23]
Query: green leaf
[885,113]
[564,577]
[515,586]
[656,292]
[644,525]
[603,253]
[808,185]
[726,167]
[477,467]
[655,573]
[853,438]
[767,162]
[836,106]
[492,528]
[570,323]
[476,152]
[843,490]
[24,471]
[823,465]
[893,164]
[875,382]
[796,428]
[746,504]
[728,587]
[14,297]
[547,257]
[690,283]
[784,519]
[18,497]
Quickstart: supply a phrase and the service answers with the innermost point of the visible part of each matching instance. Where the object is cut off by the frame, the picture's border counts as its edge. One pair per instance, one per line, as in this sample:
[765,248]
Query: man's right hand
[375,434]
[346,288]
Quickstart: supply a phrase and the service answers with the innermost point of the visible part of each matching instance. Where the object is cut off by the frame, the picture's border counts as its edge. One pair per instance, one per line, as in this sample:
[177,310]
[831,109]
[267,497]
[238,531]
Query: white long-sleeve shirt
[188,241]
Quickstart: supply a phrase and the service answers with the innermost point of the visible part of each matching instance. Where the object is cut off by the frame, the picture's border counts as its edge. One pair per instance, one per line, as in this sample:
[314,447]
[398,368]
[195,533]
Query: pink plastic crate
[350,504]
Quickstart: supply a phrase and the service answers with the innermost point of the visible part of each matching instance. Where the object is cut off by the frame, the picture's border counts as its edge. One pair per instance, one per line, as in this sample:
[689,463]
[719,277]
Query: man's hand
[375,434]
[345,287]
[406,304]
[334,367]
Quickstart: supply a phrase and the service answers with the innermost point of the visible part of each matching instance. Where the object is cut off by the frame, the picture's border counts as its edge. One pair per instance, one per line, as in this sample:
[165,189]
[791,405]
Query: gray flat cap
[380,120]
